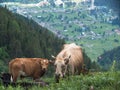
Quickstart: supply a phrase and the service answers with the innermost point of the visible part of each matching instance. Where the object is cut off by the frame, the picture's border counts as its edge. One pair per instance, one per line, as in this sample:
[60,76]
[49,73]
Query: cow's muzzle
[57,77]
[44,69]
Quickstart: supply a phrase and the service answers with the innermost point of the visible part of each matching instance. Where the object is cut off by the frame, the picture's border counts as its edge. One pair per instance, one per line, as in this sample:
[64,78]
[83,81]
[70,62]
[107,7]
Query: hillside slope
[107,58]
[21,37]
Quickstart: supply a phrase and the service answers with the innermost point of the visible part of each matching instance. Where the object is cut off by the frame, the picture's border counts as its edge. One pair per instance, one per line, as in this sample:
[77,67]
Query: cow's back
[76,55]
[30,65]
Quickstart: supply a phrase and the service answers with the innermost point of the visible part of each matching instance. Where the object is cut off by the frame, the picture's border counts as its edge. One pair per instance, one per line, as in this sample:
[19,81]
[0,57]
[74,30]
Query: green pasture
[97,80]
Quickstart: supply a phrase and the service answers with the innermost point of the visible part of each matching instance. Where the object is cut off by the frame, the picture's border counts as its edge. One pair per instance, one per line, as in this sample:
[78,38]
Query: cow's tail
[11,78]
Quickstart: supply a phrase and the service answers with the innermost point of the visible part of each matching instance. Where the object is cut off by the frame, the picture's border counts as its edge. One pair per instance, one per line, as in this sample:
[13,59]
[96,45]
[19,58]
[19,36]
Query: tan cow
[32,67]
[69,59]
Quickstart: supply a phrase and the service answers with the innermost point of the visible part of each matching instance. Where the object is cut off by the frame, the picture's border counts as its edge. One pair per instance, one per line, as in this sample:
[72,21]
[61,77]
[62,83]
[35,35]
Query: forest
[107,58]
[22,37]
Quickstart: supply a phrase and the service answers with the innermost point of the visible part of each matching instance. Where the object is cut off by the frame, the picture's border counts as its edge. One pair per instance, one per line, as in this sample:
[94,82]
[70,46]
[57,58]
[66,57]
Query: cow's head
[61,66]
[44,64]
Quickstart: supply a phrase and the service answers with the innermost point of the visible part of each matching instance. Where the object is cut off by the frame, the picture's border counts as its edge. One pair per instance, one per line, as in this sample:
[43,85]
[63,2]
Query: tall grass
[97,80]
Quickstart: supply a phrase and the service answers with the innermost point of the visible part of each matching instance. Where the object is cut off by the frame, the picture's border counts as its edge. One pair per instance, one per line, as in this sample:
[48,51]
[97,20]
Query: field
[97,81]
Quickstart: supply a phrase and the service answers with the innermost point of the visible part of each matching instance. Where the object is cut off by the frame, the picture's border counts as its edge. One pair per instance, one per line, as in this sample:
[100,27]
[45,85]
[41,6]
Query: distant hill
[22,37]
[107,58]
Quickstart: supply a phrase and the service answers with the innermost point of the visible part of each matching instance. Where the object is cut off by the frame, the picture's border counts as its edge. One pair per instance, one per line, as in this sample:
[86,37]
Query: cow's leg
[66,71]
[72,69]
[22,77]
[79,71]
[36,76]
[15,76]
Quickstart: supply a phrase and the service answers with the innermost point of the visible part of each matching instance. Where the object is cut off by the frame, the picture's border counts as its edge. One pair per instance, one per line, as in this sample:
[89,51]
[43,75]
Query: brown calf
[31,67]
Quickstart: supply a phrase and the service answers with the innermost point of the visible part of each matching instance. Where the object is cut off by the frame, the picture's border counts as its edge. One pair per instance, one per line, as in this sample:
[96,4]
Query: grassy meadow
[96,80]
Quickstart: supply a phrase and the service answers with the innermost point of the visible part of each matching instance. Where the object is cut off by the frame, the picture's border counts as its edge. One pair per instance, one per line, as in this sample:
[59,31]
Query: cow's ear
[51,61]
[67,59]
[69,56]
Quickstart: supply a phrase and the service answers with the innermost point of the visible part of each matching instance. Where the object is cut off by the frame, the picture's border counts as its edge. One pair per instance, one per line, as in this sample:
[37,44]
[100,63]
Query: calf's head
[44,64]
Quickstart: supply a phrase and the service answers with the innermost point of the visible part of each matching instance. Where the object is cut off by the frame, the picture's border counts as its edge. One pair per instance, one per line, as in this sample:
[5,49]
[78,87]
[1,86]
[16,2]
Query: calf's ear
[51,61]
[69,56]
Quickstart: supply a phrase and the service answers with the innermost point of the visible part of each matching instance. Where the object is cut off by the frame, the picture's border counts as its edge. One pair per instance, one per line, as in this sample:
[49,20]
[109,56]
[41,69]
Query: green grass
[97,80]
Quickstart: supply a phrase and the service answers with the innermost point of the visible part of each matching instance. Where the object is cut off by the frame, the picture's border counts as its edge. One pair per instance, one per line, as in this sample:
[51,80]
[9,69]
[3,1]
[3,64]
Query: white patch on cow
[44,60]
[22,73]
[11,79]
